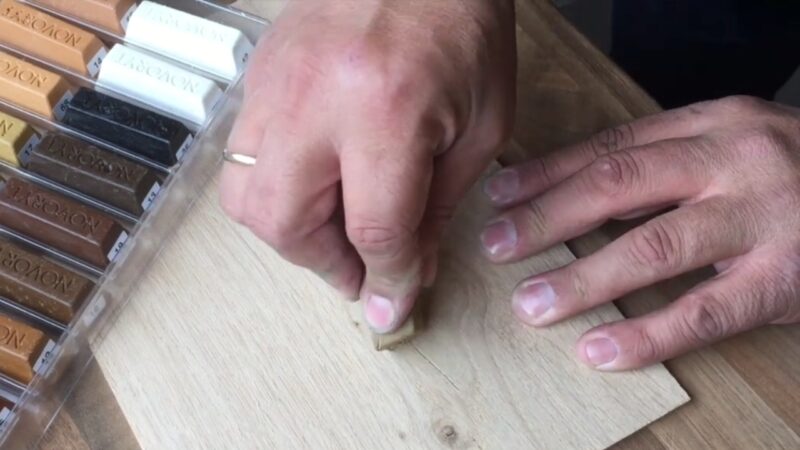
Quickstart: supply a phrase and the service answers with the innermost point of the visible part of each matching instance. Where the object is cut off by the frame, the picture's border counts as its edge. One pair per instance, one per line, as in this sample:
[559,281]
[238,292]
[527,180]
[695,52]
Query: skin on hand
[731,169]
[370,119]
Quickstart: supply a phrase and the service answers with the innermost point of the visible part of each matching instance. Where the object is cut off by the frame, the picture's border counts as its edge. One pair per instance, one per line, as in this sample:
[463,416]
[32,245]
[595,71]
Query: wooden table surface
[745,391]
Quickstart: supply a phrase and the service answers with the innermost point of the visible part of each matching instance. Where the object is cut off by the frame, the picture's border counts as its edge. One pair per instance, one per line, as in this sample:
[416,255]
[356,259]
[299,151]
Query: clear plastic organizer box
[60,369]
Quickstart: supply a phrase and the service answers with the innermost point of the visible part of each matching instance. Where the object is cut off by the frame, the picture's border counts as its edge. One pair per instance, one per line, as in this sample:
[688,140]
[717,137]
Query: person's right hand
[370,119]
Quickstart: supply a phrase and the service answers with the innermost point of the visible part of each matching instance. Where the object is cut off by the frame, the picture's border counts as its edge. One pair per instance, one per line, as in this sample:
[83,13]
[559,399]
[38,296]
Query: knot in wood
[447,434]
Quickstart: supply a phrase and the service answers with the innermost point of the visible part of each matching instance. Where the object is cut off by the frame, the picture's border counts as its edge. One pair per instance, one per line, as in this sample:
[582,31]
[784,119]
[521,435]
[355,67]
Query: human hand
[732,168]
[370,119]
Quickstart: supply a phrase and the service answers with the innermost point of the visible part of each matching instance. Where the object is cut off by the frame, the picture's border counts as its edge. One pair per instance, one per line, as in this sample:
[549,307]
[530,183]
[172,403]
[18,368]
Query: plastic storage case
[37,404]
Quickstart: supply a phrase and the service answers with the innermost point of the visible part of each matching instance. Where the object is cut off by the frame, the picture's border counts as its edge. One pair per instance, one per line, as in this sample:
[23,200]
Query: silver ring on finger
[238,158]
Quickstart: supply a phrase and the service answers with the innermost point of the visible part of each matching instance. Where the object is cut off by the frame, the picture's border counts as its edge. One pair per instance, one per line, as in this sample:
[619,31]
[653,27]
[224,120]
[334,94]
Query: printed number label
[45,358]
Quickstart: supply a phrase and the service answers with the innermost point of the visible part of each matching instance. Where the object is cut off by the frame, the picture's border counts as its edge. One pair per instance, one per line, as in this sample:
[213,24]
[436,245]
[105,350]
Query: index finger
[518,183]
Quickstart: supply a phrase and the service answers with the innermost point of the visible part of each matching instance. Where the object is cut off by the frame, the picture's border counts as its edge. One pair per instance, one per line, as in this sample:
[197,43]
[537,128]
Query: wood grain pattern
[475,377]
[744,390]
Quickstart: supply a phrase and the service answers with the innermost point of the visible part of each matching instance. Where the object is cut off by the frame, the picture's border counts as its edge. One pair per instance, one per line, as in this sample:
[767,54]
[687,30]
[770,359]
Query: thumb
[385,194]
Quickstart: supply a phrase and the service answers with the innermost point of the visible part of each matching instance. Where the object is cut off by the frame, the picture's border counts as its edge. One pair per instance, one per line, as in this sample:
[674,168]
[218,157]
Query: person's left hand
[732,168]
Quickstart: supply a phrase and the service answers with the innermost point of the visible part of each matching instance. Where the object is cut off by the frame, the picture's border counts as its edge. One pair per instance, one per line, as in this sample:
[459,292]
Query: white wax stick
[195,41]
[158,83]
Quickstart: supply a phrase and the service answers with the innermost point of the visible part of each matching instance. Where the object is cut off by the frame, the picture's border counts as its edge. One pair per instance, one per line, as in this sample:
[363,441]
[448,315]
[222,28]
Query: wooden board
[233,347]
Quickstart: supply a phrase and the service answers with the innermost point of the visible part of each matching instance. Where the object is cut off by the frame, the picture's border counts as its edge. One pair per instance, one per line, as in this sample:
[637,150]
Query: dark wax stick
[41,285]
[95,172]
[59,222]
[135,129]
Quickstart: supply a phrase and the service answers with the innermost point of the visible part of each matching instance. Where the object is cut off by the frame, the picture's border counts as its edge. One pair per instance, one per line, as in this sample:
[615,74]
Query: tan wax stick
[44,36]
[111,15]
[392,340]
[21,349]
[30,87]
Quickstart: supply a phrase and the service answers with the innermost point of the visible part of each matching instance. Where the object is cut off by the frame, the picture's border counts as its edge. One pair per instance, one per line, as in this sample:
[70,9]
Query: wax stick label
[96,62]
[61,106]
[5,419]
[93,311]
[117,247]
[244,54]
[126,18]
[45,358]
[151,196]
[184,147]
[27,150]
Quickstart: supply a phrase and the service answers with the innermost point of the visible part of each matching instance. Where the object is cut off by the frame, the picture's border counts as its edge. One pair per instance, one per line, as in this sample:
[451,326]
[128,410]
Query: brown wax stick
[95,172]
[59,222]
[37,33]
[111,15]
[33,88]
[39,284]
[21,349]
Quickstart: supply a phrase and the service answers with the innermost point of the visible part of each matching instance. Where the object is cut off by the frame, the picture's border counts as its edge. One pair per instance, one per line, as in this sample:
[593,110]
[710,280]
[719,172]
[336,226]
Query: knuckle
[611,140]
[740,103]
[646,348]
[382,82]
[541,169]
[614,173]
[378,240]
[776,283]
[762,141]
[705,319]
[656,245]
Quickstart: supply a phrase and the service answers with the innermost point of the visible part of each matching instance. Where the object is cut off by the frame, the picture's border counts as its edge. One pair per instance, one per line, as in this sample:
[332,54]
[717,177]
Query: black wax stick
[122,124]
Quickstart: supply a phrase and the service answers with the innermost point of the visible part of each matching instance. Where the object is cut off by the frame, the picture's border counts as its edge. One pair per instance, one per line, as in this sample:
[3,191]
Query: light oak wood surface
[745,391]
[277,360]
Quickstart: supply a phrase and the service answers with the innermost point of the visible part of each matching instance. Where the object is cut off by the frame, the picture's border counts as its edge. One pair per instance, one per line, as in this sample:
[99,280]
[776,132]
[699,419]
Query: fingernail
[502,187]
[532,300]
[499,238]
[380,313]
[601,351]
